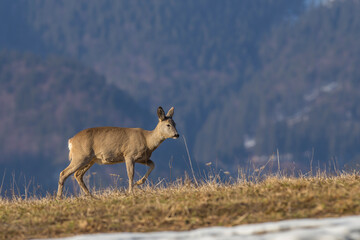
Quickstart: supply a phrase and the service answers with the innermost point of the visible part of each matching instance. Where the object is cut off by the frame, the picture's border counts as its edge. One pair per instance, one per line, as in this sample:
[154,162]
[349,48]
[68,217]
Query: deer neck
[154,139]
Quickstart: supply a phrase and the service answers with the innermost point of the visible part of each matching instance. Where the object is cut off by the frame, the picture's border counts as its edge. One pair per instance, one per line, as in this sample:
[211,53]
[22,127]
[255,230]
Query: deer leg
[151,166]
[130,172]
[73,167]
[79,174]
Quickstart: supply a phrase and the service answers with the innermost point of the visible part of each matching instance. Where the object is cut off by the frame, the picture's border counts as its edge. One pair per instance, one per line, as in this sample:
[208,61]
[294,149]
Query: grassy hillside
[182,206]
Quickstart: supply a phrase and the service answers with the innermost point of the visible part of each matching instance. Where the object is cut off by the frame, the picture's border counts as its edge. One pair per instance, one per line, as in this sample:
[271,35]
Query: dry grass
[182,206]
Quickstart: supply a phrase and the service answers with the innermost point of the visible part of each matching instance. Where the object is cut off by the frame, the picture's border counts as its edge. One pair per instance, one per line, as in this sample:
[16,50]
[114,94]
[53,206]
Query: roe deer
[109,145]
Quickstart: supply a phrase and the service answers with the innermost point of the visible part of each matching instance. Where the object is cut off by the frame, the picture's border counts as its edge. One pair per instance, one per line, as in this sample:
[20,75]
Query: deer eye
[168,125]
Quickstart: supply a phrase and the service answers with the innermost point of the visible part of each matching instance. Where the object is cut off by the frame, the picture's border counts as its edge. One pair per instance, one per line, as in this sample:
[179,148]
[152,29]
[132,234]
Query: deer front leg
[130,172]
[151,166]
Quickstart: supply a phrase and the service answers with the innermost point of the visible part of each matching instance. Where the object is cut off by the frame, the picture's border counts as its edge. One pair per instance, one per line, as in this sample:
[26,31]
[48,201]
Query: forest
[248,79]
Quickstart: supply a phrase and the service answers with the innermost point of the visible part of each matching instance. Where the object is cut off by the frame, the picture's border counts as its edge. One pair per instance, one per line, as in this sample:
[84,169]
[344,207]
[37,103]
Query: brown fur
[110,145]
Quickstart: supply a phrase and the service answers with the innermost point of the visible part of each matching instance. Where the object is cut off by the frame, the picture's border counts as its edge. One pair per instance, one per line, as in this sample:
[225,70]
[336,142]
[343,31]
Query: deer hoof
[141,181]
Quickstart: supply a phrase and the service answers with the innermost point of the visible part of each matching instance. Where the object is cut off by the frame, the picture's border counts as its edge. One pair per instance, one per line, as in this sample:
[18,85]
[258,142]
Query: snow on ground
[298,229]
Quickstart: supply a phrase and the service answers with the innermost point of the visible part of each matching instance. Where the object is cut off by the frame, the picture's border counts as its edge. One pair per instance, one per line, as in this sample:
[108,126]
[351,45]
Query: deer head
[166,125]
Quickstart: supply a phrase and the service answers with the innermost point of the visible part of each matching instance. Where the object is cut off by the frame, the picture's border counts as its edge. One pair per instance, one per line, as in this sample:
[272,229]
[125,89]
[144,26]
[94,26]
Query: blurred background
[251,81]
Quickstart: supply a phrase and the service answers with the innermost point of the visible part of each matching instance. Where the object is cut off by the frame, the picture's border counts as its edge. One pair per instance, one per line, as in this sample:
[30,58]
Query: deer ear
[161,113]
[170,112]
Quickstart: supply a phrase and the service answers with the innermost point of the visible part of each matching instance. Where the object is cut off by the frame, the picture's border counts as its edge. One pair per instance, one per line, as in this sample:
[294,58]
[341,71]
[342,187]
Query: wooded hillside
[248,79]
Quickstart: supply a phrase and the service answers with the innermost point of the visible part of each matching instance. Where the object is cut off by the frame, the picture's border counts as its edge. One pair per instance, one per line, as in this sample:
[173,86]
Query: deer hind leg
[130,172]
[79,174]
[151,166]
[73,167]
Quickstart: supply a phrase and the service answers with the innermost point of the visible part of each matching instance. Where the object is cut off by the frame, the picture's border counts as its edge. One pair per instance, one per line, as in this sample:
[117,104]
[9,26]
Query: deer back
[110,144]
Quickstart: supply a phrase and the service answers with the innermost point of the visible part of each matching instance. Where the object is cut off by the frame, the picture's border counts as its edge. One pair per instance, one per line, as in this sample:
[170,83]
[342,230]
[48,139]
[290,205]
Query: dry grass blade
[181,207]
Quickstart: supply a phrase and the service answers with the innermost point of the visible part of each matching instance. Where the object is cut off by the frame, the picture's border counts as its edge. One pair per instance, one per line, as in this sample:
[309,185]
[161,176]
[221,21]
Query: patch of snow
[315,93]
[299,116]
[316,3]
[330,87]
[328,228]
[249,142]
[311,96]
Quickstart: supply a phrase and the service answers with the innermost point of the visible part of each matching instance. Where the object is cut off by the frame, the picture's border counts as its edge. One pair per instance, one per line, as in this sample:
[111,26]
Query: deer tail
[70,147]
